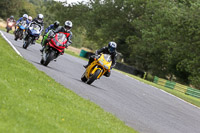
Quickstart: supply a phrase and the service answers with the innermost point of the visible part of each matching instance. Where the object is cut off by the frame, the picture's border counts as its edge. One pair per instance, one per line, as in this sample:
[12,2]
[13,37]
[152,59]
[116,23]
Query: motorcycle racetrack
[141,106]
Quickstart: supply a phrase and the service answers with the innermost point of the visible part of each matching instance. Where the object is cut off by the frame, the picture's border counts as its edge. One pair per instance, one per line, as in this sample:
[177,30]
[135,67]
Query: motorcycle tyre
[83,78]
[93,77]
[41,61]
[16,38]
[7,30]
[27,43]
[16,35]
[49,58]
[20,34]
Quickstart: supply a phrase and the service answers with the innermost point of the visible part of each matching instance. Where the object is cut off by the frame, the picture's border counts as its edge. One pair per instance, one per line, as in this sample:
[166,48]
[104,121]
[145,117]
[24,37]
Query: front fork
[47,50]
[92,69]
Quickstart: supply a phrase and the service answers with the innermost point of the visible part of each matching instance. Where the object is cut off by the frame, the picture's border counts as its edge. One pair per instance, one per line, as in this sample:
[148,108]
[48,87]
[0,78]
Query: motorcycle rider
[110,49]
[11,19]
[66,29]
[23,18]
[37,20]
[30,19]
[51,27]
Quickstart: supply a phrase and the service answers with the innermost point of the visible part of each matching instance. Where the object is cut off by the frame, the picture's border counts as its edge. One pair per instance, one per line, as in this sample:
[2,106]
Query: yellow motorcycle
[97,68]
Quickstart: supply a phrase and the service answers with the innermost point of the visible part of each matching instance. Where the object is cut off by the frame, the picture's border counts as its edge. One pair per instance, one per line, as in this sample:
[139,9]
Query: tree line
[157,36]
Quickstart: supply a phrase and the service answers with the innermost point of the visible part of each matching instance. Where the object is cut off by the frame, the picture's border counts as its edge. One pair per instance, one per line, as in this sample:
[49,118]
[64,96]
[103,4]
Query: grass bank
[31,101]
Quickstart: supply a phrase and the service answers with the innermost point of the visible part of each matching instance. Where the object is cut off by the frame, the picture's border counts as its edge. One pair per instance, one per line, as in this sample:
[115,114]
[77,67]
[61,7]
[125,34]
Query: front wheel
[21,34]
[27,43]
[42,61]
[49,57]
[16,34]
[94,77]
[83,78]
[7,30]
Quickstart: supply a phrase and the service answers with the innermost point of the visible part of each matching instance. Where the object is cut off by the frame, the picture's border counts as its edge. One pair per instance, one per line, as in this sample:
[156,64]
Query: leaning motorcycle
[33,33]
[54,47]
[97,68]
[9,26]
[20,30]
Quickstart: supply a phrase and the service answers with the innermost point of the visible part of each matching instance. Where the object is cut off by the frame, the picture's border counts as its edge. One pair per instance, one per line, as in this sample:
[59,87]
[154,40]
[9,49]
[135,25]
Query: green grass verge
[4,29]
[32,102]
[183,96]
[74,54]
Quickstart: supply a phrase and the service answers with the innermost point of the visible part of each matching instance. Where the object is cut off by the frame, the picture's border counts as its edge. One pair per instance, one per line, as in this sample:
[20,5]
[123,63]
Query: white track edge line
[10,44]
[164,92]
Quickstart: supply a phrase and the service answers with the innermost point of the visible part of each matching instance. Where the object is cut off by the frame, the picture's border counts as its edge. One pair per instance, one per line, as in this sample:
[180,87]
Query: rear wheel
[94,77]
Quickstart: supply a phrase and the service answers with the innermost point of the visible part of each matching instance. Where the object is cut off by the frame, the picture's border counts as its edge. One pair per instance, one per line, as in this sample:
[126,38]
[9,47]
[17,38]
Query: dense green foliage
[158,36]
[16,8]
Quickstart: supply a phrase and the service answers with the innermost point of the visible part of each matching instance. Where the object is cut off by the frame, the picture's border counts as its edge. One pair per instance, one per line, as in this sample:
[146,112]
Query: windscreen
[36,27]
[60,39]
[23,23]
[107,57]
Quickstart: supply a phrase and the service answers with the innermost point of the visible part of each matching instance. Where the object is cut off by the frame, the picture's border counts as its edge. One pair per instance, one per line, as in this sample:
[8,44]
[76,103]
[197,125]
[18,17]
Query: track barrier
[178,87]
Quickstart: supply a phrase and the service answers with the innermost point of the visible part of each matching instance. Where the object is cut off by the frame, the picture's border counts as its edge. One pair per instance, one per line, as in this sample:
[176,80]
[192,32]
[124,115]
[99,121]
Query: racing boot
[85,66]
[41,50]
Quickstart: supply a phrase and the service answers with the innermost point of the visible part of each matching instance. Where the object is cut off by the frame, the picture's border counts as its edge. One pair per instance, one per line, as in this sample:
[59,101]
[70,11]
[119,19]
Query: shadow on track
[47,66]
[88,84]
[22,48]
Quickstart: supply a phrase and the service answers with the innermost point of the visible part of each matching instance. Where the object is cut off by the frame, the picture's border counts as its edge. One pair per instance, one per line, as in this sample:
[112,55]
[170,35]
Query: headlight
[10,24]
[101,63]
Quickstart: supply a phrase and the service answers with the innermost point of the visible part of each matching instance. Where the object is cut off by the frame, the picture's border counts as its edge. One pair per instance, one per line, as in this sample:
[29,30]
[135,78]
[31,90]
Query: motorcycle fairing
[22,25]
[35,30]
[92,68]
[58,41]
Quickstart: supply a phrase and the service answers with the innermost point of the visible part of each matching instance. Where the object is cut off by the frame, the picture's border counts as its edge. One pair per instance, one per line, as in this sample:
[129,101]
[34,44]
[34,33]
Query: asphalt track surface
[141,106]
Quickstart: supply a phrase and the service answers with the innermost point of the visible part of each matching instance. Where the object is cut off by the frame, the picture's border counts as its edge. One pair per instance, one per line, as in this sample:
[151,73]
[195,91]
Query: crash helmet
[25,16]
[112,47]
[56,24]
[68,25]
[11,17]
[40,17]
[30,18]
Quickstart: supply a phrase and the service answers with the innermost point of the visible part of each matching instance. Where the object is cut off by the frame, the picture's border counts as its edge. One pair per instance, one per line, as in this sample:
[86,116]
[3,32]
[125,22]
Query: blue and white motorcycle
[20,30]
[32,34]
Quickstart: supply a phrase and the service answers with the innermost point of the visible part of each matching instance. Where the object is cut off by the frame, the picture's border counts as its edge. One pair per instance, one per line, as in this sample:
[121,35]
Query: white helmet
[40,18]
[68,24]
[112,46]
[25,16]
[30,18]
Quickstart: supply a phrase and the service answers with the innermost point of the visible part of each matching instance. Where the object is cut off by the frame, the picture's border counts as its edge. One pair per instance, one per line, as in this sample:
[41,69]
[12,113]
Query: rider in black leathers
[38,20]
[66,29]
[110,49]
